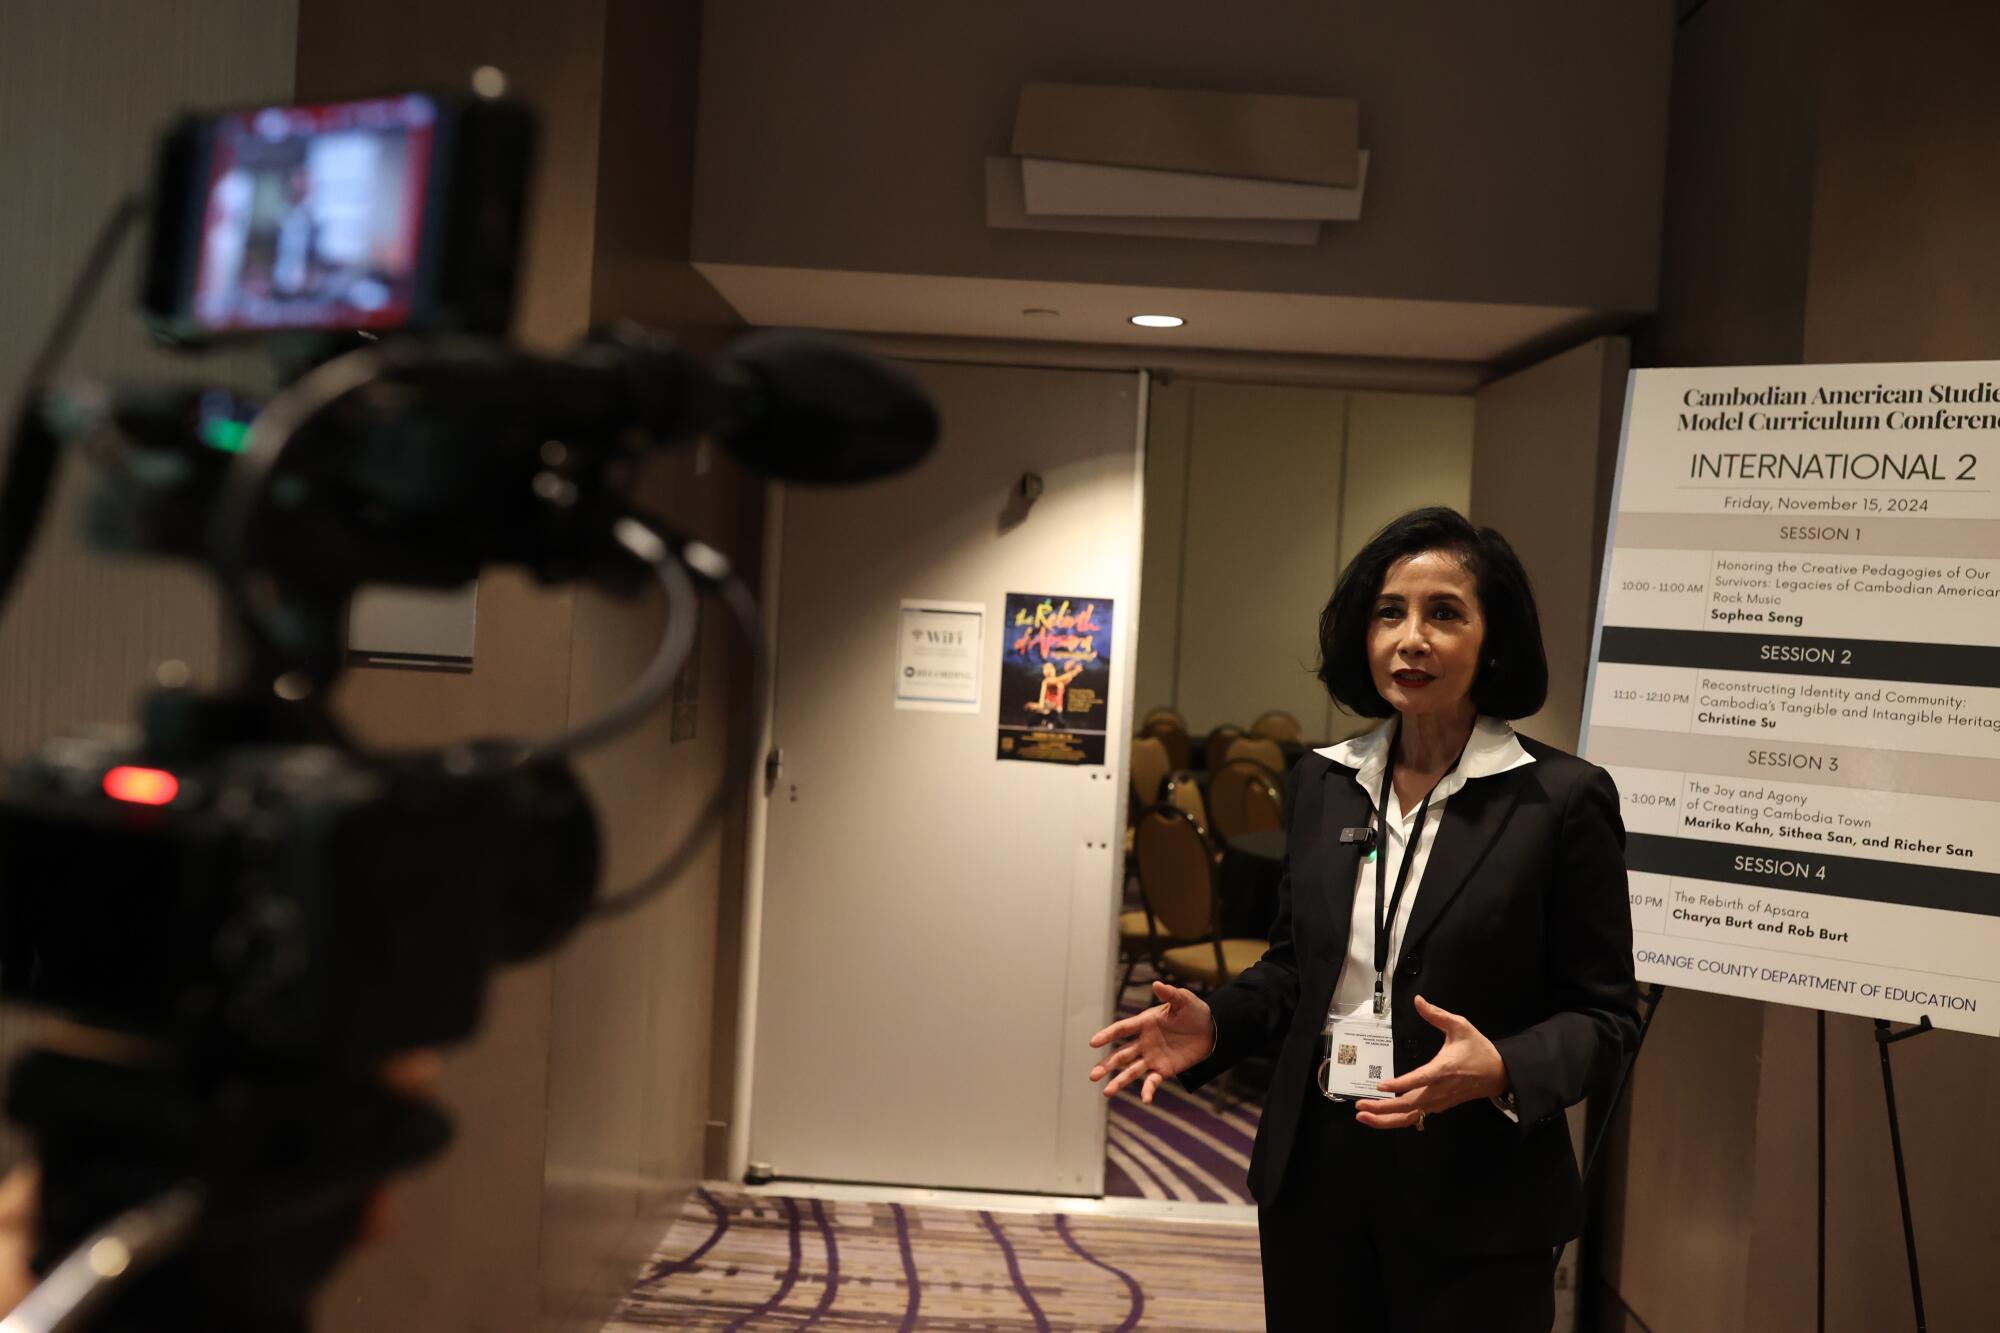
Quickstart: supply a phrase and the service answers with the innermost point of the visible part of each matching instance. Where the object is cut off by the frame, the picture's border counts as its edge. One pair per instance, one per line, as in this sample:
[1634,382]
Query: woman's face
[1425,633]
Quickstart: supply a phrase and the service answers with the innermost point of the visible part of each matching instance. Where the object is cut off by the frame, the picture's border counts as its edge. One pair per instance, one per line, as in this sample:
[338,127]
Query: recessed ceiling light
[1158,321]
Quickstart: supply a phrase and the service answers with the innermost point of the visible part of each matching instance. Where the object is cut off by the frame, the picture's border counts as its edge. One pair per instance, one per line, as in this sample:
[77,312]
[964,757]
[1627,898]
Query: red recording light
[141,786]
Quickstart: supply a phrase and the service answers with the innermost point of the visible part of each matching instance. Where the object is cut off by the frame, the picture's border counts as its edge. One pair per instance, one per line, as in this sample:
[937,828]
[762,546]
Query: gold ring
[1420,1121]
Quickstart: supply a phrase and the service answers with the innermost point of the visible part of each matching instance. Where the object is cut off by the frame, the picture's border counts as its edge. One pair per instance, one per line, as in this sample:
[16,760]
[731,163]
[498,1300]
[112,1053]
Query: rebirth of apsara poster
[1055,678]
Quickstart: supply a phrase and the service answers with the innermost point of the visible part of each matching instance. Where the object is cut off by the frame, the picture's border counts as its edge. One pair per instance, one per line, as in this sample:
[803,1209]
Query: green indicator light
[231,437]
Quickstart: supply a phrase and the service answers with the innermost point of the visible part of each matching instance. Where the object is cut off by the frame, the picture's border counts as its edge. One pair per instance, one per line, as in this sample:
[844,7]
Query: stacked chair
[1177,880]
[1278,725]
[1170,729]
[1151,769]
[1245,796]
[1175,834]
[1256,750]
[1215,747]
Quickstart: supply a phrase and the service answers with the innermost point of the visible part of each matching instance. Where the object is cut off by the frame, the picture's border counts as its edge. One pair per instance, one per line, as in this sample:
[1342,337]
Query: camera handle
[234,1194]
[114,1254]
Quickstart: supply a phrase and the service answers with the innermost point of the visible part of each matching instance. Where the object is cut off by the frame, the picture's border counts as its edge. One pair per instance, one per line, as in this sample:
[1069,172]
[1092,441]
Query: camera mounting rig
[249,910]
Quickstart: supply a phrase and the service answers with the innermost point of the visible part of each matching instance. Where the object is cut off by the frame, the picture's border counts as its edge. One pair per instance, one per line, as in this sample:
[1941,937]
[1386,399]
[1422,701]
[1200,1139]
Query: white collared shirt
[1492,748]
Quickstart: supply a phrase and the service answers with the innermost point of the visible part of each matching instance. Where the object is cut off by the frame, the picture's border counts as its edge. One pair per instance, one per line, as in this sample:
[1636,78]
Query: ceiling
[1513,206]
[1098,313]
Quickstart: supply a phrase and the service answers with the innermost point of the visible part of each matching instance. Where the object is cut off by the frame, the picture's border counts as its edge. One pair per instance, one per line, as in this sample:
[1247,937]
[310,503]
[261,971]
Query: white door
[939,925]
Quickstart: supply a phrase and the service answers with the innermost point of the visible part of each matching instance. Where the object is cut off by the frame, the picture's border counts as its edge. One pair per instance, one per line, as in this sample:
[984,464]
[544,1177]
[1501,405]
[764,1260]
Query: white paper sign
[1796,684]
[937,655]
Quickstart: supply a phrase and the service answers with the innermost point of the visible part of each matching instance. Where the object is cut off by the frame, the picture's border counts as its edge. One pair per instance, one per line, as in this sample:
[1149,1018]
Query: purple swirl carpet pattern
[1186,1147]
[735,1260]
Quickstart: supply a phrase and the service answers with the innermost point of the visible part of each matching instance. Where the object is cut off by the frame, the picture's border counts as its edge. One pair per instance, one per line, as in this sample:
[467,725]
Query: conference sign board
[1796,684]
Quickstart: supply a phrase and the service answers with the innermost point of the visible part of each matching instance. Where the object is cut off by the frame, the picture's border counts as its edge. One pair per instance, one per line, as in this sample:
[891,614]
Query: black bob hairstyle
[1513,677]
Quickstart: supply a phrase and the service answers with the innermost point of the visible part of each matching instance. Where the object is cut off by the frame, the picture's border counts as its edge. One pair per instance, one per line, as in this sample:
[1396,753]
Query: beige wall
[1820,211]
[1517,148]
[1262,529]
[1256,498]
[582,1105]
[1163,552]
[1740,163]
[1404,451]
[84,89]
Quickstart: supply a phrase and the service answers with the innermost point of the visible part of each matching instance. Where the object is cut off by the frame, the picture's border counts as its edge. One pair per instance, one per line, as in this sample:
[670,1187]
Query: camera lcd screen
[312,217]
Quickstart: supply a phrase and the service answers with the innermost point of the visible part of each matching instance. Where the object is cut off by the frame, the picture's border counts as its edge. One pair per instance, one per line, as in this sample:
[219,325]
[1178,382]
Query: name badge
[1357,1051]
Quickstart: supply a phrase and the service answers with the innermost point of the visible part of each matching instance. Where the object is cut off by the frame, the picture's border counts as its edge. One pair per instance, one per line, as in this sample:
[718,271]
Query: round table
[1253,864]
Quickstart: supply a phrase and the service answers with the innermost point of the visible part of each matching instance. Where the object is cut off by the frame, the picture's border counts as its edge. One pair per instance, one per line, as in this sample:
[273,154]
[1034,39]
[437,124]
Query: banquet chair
[1184,794]
[1245,797]
[1215,746]
[1258,750]
[1177,876]
[1172,733]
[1150,766]
[1278,725]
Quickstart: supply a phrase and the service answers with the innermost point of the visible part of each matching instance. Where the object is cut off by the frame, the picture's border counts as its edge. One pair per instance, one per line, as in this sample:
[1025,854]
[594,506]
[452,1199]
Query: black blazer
[1521,924]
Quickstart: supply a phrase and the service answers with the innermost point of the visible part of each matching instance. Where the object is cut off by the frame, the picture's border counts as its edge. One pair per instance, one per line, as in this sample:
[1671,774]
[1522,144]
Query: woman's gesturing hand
[1467,1069]
[1174,1035]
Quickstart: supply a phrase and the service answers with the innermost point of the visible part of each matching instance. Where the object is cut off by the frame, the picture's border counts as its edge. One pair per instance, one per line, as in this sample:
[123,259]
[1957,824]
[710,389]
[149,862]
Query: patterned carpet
[1192,1147]
[735,1260]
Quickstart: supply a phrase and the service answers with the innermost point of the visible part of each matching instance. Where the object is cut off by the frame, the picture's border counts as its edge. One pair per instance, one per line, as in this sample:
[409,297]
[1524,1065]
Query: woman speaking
[1451,964]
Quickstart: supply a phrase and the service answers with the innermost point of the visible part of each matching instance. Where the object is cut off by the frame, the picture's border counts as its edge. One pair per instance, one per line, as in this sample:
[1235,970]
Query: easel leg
[1883,1036]
[1652,996]
[1820,1320]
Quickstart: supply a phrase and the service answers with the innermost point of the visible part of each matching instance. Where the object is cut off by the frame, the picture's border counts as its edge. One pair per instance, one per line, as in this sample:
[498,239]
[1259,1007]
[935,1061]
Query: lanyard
[1386,913]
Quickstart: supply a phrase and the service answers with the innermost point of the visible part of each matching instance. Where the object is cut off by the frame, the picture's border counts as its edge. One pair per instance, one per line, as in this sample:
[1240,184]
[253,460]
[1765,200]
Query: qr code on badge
[1345,1055]
[1374,1071]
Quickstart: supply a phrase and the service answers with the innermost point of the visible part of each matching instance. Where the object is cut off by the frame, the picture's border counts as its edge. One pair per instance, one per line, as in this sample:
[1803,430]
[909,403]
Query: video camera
[261,907]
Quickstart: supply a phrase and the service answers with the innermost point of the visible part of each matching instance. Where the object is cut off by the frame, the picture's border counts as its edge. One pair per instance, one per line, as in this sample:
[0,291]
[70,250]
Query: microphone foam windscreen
[805,407]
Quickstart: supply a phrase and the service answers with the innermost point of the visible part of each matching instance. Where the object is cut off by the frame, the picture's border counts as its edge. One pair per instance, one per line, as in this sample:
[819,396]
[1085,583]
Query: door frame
[762,782]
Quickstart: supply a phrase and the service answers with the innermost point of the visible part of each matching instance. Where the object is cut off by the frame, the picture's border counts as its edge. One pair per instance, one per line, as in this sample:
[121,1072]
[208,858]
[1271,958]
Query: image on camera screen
[312,216]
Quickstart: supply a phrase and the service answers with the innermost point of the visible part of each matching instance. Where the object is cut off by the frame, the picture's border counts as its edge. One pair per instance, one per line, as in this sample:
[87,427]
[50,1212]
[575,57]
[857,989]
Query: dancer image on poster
[1054,687]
